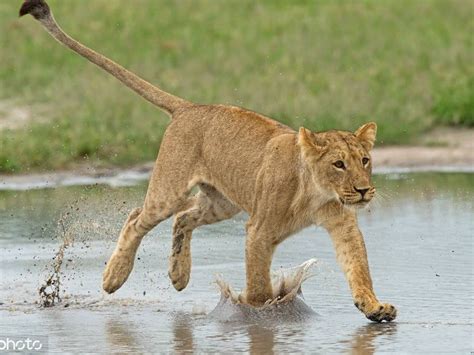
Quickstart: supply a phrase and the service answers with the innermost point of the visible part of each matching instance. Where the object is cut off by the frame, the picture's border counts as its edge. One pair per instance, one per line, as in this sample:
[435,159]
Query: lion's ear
[366,135]
[307,143]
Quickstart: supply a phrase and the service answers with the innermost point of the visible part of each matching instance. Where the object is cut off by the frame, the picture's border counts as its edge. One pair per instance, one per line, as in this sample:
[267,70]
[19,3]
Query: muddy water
[419,238]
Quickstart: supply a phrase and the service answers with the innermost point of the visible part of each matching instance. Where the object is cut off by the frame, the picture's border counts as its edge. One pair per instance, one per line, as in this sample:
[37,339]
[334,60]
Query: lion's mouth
[360,202]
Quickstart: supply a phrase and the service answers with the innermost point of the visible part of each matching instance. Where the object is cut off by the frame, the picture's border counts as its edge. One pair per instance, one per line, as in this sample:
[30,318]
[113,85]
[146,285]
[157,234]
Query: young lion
[242,160]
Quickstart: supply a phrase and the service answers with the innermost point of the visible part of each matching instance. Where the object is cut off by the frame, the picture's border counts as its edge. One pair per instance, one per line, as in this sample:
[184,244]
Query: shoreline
[386,160]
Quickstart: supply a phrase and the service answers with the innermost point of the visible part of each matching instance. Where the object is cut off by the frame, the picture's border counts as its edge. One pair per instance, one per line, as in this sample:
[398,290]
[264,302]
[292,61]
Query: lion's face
[340,163]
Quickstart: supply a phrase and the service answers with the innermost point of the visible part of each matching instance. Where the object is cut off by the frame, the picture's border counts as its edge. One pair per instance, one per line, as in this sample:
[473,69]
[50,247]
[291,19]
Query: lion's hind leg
[167,194]
[207,207]
[138,224]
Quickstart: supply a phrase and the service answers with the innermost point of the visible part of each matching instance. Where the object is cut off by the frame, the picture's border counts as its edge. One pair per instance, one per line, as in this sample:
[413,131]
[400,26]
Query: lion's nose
[361,191]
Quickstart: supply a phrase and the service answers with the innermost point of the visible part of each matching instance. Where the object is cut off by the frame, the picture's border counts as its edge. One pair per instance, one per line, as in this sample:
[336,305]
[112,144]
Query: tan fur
[242,160]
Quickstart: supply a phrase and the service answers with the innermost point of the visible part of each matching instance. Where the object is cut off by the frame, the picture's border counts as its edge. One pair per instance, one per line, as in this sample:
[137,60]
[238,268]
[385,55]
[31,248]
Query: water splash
[287,302]
[79,223]
[49,291]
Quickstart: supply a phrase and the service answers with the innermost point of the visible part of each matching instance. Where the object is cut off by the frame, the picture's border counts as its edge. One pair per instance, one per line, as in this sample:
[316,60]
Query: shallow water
[419,241]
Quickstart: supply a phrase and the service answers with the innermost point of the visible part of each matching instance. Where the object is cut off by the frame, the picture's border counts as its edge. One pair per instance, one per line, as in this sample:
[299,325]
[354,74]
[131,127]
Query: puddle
[418,235]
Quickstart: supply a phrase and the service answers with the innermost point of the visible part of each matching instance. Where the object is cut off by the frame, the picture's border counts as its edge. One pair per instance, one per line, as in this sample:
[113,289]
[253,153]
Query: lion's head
[340,162]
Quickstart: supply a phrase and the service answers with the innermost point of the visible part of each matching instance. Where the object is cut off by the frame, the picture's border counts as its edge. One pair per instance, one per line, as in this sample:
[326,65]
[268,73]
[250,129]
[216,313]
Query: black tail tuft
[39,9]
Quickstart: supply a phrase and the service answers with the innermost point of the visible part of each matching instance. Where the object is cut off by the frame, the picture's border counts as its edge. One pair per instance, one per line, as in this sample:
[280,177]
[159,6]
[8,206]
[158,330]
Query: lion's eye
[339,164]
[365,161]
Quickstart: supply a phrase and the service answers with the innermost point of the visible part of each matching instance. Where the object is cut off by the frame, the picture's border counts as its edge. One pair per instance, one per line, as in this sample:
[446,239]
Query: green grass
[408,65]
[454,104]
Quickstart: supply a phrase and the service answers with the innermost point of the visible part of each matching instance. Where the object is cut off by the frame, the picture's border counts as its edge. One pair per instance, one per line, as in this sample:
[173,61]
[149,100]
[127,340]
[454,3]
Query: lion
[243,161]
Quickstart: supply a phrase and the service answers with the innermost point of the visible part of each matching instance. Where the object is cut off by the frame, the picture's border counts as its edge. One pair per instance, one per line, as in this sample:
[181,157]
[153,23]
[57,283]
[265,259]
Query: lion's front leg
[258,259]
[351,253]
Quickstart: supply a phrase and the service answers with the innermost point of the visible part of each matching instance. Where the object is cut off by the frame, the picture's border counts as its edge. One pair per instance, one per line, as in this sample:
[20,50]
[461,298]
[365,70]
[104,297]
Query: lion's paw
[381,312]
[117,271]
[179,271]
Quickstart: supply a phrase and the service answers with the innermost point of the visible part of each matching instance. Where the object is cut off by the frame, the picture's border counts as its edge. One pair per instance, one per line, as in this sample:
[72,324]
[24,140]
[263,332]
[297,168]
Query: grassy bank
[321,64]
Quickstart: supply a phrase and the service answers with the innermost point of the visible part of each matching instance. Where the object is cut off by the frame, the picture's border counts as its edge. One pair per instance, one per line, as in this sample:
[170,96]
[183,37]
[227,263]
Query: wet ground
[419,239]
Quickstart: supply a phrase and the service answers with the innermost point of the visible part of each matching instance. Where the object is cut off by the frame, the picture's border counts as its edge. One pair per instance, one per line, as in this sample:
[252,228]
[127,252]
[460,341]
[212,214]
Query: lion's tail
[40,10]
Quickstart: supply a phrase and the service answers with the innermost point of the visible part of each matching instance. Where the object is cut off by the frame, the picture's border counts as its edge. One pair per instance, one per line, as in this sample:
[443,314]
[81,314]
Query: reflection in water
[262,340]
[123,335]
[120,335]
[183,334]
[363,339]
